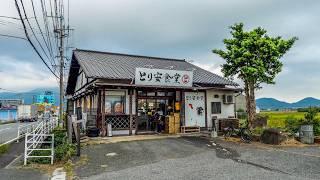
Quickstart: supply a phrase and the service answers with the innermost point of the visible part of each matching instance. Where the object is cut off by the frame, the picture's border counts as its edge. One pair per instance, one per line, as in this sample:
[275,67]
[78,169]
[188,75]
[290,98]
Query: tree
[254,57]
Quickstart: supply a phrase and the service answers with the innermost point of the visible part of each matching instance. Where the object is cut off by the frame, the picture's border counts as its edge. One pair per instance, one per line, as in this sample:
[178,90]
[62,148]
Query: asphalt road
[197,158]
[10,131]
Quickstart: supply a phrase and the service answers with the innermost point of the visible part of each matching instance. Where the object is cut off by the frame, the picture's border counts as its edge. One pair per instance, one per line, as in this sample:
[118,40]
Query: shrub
[59,137]
[242,115]
[63,150]
[316,127]
[310,116]
[4,148]
[41,160]
[292,124]
[258,131]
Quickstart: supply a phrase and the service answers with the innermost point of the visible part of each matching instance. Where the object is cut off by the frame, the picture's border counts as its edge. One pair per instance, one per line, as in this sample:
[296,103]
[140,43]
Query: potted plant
[306,133]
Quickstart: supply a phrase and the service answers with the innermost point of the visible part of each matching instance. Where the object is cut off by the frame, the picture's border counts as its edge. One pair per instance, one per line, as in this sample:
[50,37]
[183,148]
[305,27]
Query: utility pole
[61,56]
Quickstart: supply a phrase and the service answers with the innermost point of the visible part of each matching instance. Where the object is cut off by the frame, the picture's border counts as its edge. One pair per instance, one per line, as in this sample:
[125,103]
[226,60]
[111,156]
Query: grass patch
[68,167]
[277,119]
[4,148]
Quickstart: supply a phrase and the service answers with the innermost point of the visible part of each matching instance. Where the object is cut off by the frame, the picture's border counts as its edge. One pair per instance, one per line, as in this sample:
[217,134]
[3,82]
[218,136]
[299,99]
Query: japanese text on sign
[163,77]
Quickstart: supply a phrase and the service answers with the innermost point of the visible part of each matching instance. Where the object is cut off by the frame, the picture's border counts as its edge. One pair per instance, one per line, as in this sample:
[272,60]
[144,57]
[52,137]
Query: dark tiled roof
[122,66]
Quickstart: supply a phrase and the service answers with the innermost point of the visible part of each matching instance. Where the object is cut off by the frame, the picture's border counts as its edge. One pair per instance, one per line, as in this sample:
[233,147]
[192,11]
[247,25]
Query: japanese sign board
[163,77]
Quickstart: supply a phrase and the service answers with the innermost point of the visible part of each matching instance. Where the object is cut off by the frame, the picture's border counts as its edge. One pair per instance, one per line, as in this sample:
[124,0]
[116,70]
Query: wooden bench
[190,129]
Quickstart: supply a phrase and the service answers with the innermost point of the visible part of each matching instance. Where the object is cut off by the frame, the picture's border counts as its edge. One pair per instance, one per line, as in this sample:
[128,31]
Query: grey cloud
[191,29]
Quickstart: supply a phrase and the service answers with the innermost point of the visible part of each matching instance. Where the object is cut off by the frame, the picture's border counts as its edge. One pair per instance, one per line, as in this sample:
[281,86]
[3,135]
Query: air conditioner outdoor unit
[228,99]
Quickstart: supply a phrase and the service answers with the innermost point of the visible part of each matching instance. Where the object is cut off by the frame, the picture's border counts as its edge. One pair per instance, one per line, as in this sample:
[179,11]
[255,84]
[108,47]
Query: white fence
[38,137]
[23,130]
[11,134]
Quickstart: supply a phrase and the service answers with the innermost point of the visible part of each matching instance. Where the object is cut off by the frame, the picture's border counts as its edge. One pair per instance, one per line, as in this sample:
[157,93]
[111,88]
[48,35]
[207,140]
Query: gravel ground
[197,158]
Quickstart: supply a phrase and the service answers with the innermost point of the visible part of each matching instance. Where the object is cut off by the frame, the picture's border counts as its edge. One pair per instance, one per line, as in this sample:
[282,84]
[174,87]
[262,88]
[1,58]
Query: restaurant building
[141,94]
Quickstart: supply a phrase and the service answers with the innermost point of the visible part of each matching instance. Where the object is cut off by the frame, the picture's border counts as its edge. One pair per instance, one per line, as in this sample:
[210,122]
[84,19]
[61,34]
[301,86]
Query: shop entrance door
[151,112]
[152,108]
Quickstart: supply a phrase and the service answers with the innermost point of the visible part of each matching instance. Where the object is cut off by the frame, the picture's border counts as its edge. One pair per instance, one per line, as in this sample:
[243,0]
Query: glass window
[115,104]
[161,93]
[215,107]
[170,94]
[142,93]
[151,94]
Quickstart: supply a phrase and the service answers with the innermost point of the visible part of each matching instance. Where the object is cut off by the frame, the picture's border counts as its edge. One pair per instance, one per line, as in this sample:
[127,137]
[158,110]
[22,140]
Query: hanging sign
[163,77]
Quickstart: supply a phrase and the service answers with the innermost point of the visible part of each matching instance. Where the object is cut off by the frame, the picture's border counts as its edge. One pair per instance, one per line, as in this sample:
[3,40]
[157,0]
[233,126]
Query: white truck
[27,113]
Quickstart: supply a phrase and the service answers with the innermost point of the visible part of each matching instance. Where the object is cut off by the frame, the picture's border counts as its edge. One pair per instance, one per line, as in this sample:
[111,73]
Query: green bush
[63,150]
[310,116]
[59,137]
[41,160]
[316,127]
[242,115]
[257,131]
[292,124]
[4,148]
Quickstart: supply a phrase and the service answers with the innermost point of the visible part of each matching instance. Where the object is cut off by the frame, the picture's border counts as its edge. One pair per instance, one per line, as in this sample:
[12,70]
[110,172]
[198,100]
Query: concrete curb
[59,174]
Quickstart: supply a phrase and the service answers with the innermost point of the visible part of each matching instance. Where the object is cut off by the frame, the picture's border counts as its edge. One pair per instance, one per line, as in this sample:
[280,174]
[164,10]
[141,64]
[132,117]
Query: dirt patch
[292,142]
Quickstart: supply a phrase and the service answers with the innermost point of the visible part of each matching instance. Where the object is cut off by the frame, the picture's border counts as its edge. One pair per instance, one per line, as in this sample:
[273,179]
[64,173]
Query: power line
[29,40]
[40,45]
[16,37]
[45,42]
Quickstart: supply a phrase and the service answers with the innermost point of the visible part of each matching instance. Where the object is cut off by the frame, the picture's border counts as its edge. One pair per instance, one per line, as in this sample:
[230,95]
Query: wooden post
[182,108]
[205,109]
[130,91]
[103,123]
[78,139]
[69,128]
[98,110]
[136,111]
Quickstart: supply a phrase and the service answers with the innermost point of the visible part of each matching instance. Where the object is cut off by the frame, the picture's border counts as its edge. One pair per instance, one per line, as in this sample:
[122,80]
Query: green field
[277,119]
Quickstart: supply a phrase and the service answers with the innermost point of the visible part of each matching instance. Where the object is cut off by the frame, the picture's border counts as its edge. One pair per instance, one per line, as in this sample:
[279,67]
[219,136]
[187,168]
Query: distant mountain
[271,103]
[306,102]
[29,96]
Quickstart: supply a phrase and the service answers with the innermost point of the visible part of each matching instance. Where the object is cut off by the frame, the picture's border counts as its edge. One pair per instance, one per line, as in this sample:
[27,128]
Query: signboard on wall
[163,77]
[195,109]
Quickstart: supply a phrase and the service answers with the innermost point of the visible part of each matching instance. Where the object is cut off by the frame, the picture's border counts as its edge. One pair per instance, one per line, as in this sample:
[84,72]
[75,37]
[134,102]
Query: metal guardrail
[38,137]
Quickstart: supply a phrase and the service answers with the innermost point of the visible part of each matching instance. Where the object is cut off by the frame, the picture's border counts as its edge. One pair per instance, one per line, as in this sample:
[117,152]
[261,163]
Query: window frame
[218,110]
[123,99]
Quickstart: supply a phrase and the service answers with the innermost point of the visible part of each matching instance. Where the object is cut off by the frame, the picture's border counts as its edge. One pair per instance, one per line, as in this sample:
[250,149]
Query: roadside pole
[61,50]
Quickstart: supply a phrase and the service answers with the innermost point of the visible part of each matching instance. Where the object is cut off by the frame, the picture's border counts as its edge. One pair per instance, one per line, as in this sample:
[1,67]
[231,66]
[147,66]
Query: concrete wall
[226,109]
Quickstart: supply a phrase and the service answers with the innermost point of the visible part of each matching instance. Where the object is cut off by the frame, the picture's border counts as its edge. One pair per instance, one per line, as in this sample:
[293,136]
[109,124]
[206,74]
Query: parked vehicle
[27,113]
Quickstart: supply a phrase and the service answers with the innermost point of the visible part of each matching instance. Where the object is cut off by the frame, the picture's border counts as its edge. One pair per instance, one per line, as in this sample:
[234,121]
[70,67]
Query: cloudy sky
[178,29]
